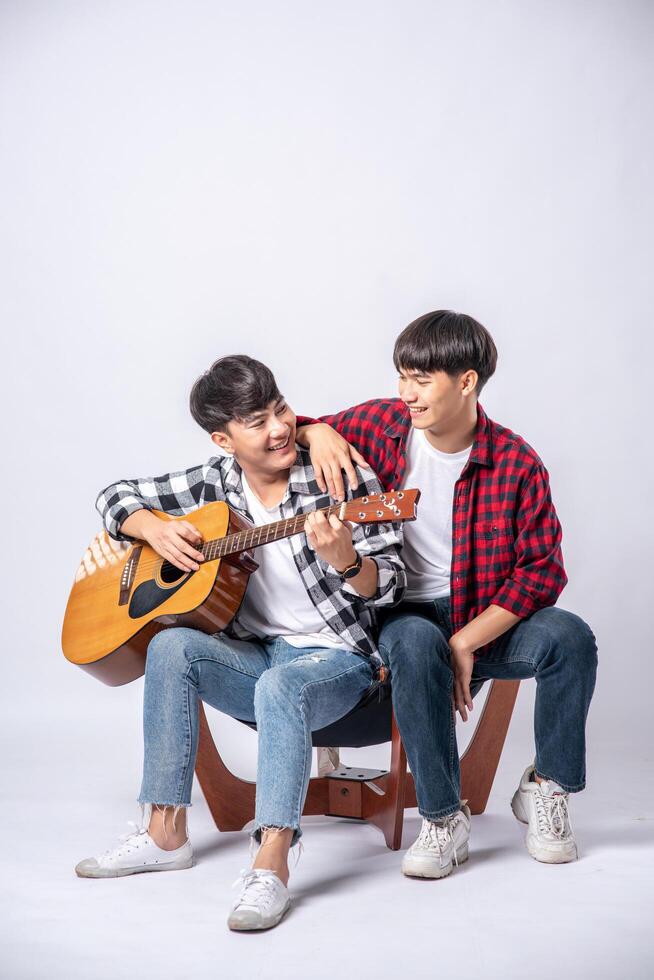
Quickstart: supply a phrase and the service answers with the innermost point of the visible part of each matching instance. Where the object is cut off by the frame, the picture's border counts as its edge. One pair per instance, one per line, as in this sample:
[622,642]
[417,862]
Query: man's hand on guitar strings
[177,542]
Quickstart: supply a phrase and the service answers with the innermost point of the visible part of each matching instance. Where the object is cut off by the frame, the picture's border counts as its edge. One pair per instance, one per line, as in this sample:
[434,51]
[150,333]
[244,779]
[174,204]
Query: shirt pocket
[494,549]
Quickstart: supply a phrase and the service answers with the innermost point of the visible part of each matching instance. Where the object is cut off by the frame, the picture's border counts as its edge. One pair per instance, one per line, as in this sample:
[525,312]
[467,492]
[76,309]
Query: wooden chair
[365,794]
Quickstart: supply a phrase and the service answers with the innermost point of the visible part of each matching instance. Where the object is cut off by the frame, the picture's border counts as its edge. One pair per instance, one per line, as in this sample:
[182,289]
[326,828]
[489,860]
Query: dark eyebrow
[261,414]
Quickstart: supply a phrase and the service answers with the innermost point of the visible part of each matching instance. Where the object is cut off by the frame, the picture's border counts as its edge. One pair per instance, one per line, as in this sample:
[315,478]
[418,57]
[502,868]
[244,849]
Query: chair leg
[480,760]
[384,799]
[230,799]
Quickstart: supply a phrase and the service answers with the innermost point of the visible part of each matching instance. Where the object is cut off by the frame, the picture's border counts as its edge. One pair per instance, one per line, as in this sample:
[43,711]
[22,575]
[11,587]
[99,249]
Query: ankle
[278,868]
[168,842]
[273,852]
[167,827]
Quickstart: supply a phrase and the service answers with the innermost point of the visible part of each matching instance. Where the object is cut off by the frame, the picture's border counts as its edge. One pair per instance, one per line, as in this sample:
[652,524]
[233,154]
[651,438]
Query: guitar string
[285,526]
[277,525]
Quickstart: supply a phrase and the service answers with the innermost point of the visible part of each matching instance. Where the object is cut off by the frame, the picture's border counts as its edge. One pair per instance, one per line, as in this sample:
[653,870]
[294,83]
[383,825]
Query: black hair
[234,387]
[446,341]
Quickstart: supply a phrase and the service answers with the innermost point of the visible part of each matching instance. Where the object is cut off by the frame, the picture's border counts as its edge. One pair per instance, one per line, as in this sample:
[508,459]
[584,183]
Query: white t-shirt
[427,549]
[276,602]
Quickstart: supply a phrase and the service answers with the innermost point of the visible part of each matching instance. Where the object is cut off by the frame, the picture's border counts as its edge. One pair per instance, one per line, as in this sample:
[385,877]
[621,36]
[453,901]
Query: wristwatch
[352,569]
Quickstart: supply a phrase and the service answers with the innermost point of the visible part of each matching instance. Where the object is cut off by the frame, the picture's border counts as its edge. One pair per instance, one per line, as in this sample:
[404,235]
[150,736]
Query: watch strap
[352,569]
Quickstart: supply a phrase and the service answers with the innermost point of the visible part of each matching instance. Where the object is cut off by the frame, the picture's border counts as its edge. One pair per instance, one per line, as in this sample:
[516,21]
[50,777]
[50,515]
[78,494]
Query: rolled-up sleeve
[382,543]
[538,575]
[176,493]
[391,578]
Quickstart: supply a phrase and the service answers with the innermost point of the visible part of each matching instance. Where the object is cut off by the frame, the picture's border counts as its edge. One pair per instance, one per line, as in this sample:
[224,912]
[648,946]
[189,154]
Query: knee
[570,637]
[275,689]
[168,652]
[414,646]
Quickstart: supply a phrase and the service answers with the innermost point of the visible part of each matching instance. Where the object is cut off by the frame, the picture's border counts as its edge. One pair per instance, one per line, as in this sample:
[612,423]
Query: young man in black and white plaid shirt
[300,653]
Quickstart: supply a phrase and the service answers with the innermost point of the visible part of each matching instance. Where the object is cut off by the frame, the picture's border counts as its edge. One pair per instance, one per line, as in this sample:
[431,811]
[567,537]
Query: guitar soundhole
[169,574]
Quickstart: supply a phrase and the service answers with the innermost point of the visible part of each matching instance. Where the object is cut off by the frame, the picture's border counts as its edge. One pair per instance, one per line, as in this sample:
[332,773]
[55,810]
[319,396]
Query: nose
[407,392]
[279,430]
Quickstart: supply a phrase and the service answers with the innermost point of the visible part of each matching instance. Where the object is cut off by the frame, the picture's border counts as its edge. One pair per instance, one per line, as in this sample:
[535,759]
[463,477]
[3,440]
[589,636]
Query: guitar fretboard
[252,537]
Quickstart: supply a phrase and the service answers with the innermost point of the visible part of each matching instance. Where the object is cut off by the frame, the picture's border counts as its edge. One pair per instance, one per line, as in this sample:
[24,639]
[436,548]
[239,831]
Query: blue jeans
[554,646]
[288,691]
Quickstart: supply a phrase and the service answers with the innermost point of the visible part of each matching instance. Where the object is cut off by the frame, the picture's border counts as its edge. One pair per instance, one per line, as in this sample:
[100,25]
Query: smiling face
[444,360]
[436,400]
[264,442]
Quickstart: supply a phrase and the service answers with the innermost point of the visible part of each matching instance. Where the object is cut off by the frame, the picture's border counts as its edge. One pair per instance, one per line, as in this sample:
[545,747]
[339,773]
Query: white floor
[500,915]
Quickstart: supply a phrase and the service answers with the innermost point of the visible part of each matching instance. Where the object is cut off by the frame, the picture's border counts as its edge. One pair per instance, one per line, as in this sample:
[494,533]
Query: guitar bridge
[127,578]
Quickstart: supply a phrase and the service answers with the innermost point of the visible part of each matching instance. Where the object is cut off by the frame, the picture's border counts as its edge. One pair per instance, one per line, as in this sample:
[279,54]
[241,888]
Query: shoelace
[125,839]
[136,832]
[256,886]
[439,833]
[553,815]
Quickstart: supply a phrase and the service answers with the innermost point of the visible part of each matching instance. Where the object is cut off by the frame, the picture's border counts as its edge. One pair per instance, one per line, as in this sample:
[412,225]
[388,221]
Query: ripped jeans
[288,691]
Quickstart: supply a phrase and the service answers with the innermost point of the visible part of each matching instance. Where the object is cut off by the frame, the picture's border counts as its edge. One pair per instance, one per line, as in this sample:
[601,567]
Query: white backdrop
[298,181]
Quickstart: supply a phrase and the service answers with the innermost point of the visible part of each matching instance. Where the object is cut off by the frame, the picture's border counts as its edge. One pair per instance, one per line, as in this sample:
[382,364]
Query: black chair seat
[368,723]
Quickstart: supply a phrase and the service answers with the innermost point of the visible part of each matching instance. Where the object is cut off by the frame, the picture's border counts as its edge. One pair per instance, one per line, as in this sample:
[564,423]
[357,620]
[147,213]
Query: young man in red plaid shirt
[484,570]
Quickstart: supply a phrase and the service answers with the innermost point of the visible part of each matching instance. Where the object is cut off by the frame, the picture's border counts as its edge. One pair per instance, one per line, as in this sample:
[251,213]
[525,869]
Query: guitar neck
[254,537]
[394,505]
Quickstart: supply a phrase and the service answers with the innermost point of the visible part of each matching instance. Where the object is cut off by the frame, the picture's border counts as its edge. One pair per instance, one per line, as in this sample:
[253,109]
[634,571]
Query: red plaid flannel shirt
[506,537]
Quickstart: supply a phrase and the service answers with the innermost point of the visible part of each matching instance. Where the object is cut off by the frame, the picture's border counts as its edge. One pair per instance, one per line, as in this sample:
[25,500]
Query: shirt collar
[482,446]
[301,479]
[231,473]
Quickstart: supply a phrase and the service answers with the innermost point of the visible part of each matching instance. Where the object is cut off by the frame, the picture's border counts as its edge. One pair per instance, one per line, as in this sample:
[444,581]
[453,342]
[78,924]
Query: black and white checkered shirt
[347,613]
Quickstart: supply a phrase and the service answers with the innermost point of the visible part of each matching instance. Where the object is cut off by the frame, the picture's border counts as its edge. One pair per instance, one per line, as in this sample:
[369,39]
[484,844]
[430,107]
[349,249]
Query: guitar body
[125,593]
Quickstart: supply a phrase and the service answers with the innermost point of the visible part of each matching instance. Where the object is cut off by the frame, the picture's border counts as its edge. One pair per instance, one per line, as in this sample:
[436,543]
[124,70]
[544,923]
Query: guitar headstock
[394,505]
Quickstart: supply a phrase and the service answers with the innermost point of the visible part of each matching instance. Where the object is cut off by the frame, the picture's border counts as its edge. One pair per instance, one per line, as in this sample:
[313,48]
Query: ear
[468,383]
[223,441]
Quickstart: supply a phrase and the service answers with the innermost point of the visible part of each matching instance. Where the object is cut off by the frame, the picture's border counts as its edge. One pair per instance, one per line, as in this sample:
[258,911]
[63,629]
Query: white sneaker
[136,853]
[262,903]
[544,807]
[441,844]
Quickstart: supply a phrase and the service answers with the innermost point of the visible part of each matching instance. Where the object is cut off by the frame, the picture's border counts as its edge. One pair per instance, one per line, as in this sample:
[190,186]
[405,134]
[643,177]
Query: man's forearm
[365,583]
[138,523]
[484,628]
[303,432]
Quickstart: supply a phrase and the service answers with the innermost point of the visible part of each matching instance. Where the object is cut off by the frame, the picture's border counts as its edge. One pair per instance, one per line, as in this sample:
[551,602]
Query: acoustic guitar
[124,593]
